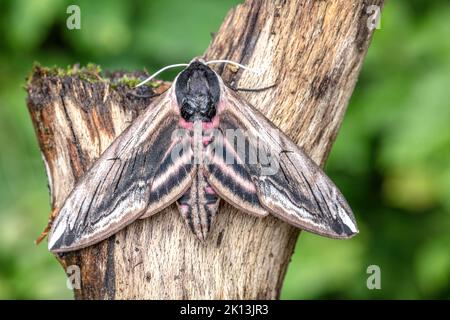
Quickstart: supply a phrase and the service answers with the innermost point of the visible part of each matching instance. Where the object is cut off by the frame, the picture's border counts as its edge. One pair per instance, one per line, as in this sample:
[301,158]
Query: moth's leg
[253,89]
[44,233]
[144,96]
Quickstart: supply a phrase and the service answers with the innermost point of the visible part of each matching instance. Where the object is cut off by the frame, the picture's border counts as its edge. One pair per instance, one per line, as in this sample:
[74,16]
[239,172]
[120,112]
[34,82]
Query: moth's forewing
[290,185]
[117,188]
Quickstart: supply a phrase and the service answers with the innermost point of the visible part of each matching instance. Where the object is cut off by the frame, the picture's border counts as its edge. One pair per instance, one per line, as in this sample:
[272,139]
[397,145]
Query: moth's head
[197,90]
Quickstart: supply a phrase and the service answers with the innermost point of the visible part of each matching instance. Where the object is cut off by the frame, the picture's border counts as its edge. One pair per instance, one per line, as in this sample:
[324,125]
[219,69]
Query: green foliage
[391,158]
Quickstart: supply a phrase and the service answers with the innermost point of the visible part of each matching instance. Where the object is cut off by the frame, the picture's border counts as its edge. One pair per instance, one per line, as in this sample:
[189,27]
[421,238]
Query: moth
[195,144]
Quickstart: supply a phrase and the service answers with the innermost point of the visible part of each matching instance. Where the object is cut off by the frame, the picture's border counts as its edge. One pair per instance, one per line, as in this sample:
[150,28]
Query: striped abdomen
[198,205]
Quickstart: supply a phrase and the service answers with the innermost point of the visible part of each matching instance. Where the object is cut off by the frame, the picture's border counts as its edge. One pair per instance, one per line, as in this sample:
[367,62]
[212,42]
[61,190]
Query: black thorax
[197,90]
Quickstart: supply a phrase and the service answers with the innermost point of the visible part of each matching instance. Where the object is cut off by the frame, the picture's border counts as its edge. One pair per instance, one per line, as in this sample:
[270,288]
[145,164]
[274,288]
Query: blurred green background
[391,158]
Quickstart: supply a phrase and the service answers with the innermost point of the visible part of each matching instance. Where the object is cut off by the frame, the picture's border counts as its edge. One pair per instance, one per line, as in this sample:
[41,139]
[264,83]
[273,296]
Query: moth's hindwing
[226,172]
[298,192]
[174,175]
[117,188]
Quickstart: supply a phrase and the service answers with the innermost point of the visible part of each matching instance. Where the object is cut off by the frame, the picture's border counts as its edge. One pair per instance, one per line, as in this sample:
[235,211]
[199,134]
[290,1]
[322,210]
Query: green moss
[128,81]
[132,81]
[91,73]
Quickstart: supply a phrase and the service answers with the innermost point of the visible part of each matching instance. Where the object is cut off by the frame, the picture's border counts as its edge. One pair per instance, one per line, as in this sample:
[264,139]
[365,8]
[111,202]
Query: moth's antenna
[161,70]
[236,64]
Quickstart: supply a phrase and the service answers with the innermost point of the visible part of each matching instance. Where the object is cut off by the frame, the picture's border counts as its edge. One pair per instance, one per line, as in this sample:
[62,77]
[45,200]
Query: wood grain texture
[312,50]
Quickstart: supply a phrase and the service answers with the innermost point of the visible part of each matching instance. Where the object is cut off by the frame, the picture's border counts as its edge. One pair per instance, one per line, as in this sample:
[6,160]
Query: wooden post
[312,50]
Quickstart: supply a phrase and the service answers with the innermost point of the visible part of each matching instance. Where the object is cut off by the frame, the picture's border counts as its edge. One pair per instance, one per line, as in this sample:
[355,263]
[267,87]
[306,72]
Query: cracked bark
[312,50]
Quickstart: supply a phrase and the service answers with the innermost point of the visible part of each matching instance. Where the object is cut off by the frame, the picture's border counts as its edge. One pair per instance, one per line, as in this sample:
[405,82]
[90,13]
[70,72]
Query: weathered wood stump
[312,50]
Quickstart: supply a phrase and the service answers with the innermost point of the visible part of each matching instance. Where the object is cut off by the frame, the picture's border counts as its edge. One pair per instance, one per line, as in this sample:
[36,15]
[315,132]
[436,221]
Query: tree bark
[311,50]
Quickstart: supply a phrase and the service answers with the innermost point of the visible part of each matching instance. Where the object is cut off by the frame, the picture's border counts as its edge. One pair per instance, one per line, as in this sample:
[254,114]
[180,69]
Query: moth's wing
[117,188]
[174,175]
[290,186]
[227,174]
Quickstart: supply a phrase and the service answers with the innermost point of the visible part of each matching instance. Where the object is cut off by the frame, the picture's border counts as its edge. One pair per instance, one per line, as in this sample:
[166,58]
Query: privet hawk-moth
[195,144]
